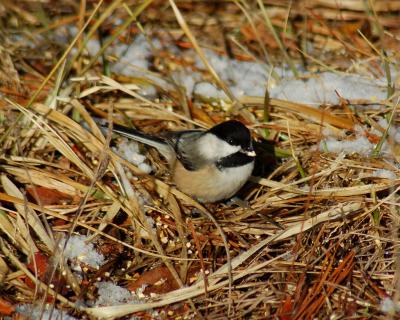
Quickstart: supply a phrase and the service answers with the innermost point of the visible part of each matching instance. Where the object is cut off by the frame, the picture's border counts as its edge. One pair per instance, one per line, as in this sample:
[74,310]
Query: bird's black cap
[233,132]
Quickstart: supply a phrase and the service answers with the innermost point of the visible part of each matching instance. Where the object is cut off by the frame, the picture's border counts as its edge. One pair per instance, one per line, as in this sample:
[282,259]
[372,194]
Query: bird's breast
[210,184]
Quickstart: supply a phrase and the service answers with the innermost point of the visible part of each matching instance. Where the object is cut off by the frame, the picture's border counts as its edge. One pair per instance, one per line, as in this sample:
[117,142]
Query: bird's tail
[156,142]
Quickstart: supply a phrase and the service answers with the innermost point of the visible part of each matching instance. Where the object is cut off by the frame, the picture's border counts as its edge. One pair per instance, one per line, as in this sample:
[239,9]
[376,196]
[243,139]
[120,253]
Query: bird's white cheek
[213,148]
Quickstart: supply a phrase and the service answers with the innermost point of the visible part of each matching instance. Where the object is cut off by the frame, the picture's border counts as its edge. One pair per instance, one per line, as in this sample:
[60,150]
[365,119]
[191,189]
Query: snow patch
[129,150]
[33,312]
[112,294]
[77,249]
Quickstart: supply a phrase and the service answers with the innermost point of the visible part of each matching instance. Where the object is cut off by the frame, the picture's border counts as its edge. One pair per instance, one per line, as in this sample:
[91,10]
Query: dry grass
[319,237]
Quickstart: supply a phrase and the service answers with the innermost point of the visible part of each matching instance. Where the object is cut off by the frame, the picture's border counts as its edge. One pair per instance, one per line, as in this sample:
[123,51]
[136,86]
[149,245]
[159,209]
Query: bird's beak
[249,152]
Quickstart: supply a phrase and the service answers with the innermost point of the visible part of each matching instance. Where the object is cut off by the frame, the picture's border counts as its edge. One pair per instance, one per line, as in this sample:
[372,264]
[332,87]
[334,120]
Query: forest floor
[91,225]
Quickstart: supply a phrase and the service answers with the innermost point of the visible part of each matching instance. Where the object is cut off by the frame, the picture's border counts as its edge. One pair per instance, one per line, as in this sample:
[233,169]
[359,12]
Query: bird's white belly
[210,184]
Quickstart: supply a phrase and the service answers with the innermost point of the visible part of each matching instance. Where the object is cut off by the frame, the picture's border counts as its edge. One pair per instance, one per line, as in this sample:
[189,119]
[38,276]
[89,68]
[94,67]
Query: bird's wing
[186,148]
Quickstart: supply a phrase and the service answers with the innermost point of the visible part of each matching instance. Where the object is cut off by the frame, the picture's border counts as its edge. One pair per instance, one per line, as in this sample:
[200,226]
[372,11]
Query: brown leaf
[158,280]
[261,33]
[6,308]
[39,264]
[286,309]
[45,196]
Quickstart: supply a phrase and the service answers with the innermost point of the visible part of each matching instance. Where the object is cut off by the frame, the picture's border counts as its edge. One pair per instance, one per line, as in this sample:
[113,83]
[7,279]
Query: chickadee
[208,165]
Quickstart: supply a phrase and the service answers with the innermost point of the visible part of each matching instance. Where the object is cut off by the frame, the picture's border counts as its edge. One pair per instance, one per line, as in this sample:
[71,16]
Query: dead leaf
[39,264]
[6,308]
[158,280]
[45,196]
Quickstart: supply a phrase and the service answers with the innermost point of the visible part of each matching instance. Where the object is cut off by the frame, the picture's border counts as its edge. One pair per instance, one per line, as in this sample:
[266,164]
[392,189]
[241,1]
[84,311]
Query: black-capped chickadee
[208,165]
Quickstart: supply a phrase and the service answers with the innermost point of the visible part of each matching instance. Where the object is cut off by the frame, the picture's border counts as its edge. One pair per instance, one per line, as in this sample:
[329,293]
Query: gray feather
[156,142]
